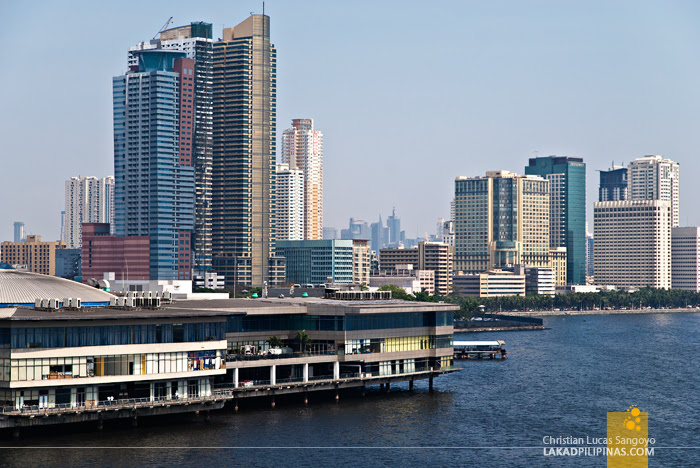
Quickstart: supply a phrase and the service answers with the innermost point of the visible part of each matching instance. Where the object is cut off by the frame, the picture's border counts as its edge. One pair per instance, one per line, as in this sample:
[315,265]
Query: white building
[632,246]
[656,178]
[88,200]
[290,203]
[491,283]
[685,264]
[302,148]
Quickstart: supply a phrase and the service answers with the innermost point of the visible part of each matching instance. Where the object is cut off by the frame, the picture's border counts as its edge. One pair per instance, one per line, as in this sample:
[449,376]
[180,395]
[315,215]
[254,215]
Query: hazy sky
[409,95]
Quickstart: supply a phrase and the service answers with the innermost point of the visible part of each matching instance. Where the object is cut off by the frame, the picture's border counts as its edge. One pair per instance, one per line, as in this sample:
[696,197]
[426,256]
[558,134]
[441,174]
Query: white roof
[23,287]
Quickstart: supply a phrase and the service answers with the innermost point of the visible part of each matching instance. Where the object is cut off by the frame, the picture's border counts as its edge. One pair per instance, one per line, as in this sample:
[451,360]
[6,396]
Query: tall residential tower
[656,178]
[88,200]
[302,148]
[243,184]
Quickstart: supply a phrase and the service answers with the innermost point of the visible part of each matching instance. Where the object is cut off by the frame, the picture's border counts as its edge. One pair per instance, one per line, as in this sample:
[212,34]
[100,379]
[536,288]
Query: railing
[117,404]
[262,357]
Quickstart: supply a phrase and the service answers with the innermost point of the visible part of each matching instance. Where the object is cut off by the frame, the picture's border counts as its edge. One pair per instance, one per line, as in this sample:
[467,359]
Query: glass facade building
[314,261]
[569,198]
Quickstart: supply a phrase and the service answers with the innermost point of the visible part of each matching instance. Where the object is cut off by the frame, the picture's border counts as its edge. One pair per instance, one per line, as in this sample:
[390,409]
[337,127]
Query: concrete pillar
[153,391]
[388,387]
[273,374]
[336,370]
[306,372]
[169,390]
[430,384]
[410,385]
[235,377]
[73,397]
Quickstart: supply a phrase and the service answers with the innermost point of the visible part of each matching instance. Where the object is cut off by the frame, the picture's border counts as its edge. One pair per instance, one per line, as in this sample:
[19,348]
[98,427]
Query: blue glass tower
[569,196]
[154,176]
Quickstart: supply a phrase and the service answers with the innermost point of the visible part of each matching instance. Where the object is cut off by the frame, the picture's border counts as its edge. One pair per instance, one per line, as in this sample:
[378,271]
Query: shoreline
[553,313]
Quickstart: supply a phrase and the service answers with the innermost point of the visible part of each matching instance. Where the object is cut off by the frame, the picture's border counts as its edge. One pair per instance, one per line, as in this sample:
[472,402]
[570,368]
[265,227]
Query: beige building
[433,256]
[656,178]
[38,256]
[491,283]
[632,246]
[501,219]
[404,276]
[557,262]
[361,261]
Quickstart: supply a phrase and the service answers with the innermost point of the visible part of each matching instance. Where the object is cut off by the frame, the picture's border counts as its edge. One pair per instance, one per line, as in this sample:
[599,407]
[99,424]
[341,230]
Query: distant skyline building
[357,229]
[393,224]
[87,200]
[613,184]
[330,233]
[290,203]
[243,183]
[19,231]
[632,247]
[567,219]
[153,159]
[656,178]
[380,234]
[302,148]
[501,220]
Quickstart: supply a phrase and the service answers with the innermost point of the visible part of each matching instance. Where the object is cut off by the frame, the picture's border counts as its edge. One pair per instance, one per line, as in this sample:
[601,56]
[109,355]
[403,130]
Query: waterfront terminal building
[126,357]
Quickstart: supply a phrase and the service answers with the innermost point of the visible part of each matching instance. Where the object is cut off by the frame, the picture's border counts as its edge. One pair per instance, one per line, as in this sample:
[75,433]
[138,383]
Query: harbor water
[558,382]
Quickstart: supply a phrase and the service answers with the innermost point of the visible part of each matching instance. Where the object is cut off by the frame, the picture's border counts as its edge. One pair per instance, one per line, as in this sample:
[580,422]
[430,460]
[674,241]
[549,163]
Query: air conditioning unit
[54,304]
[37,303]
[44,303]
[114,301]
[155,302]
[129,302]
[167,296]
[76,302]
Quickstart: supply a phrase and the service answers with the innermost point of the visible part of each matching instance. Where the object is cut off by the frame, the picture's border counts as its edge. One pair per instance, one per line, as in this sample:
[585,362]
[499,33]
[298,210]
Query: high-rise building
[393,224]
[290,203]
[19,231]
[196,41]
[357,229]
[330,233]
[685,254]
[656,178]
[37,256]
[88,200]
[154,176]
[632,246]
[302,148]
[567,219]
[380,234]
[243,185]
[501,220]
[613,184]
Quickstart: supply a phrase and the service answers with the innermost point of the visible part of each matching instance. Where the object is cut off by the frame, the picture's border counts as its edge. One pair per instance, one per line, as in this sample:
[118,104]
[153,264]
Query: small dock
[480,349]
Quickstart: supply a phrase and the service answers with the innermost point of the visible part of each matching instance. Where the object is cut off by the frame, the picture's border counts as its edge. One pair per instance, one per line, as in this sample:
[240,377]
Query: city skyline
[601,91]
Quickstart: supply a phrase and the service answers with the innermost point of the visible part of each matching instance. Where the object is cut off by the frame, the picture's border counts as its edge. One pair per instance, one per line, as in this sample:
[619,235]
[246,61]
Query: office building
[19,234]
[302,149]
[567,176]
[406,278]
[656,178]
[68,263]
[88,200]
[491,283]
[433,256]
[243,184]
[613,184]
[632,246]
[393,224]
[685,258]
[153,159]
[380,234]
[537,280]
[313,262]
[501,220]
[37,256]
[290,203]
[128,257]
[330,233]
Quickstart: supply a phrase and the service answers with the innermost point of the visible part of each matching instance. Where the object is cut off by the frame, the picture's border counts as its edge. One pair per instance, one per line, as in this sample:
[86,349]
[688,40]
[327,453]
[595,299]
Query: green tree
[396,292]
[275,342]
[303,340]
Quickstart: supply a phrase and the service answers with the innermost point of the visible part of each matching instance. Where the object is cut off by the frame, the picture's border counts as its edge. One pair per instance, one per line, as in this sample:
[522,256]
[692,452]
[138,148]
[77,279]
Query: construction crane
[165,26]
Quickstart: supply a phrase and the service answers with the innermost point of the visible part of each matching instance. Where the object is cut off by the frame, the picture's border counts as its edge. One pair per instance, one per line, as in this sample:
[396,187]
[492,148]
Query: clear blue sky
[409,94]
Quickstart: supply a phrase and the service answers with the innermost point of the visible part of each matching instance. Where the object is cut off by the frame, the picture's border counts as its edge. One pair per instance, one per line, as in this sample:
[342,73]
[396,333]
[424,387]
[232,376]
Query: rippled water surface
[557,382]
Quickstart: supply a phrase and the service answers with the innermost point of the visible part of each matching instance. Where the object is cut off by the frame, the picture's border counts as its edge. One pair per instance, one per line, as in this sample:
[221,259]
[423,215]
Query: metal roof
[19,287]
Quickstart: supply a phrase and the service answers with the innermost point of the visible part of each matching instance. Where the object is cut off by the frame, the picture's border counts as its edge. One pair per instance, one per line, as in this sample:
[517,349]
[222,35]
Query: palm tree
[303,340]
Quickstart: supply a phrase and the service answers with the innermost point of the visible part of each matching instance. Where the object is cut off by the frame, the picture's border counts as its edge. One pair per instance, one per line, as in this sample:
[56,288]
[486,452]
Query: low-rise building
[433,256]
[491,283]
[538,280]
[685,252]
[38,256]
[128,257]
[404,276]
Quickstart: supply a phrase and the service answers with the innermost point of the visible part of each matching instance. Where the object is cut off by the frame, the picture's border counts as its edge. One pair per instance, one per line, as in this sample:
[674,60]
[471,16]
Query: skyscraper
[154,177]
[88,200]
[243,184]
[19,231]
[290,203]
[567,177]
[394,225]
[302,148]
[656,178]
[613,184]
[196,41]
[501,219]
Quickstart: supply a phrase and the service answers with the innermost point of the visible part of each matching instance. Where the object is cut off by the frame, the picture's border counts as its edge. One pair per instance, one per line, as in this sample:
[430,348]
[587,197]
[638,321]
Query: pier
[480,349]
